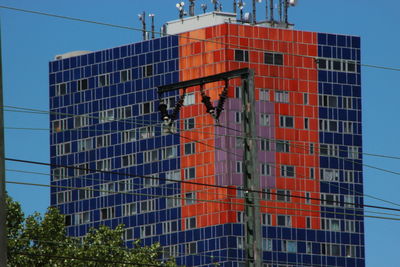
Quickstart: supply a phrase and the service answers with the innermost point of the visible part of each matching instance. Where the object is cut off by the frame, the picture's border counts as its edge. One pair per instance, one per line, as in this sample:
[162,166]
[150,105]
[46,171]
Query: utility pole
[250,175]
[3,206]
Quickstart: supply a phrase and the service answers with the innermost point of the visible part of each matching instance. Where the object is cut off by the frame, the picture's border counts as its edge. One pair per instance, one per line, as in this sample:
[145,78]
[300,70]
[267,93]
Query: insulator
[178,106]
[222,98]
[163,110]
[206,100]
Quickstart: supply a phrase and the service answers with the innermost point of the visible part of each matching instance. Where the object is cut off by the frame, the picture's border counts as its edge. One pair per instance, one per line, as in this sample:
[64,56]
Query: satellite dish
[247,17]
[292,2]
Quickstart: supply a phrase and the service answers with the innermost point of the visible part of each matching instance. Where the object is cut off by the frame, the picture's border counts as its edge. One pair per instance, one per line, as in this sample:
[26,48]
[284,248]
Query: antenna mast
[191,8]
[151,15]
[142,18]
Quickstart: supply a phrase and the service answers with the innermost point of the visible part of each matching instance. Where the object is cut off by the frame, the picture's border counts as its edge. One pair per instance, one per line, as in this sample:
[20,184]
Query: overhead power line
[196,183]
[29,110]
[309,211]
[178,35]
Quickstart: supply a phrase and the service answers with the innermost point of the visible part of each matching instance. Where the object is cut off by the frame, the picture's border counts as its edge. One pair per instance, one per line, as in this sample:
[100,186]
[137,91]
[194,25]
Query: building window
[104,80]
[171,176]
[330,199]
[190,223]
[329,175]
[283,195]
[150,156]
[128,209]
[128,136]
[353,152]
[267,244]
[169,152]
[126,75]
[106,115]
[264,95]
[349,176]
[238,92]
[61,89]
[328,101]
[306,123]
[148,71]
[305,99]
[148,205]
[85,193]
[124,112]
[190,173]
[64,197]
[62,149]
[266,195]
[106,189]
[60,125]
[308,198]
[59,173]
[147,230]
[308,222]
[190,148]
[265,169]
[170,227]
[265,119]
[128,160]
[83,218]
[266,219]
[188,124]
[125,185]
[82,169]
[241,55]
[284,220]
[282,146]
[287,171]
[348,127]
[286,121]
[349,201]
[282,96]
[311,148]
[239,167]
[103,165]
[146,132]
[350,251]
[146,108]
[191,248]
[107,213]
[150,181]
[81,121]
[265,145]
[85,144]
[173,203]
[309,247]
[329,150]
[349,226]
[83,84]
[238,117]
[289,246]
[328,125]
[190,99]
[273,58]
[336,65]
[330,249]
[103,141]
[190,198]
[312,173]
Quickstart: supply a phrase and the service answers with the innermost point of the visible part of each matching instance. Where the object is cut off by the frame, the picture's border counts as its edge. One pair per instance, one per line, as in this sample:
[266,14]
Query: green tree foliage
[42,241]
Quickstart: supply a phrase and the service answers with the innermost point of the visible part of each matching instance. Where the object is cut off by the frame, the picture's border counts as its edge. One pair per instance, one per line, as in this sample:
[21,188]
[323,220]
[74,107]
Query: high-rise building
[184,188]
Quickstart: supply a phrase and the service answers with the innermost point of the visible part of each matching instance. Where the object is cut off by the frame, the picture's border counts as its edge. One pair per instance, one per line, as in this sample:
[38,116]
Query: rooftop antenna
[151,15]
[182,12]
[204,7]
[241,5]
[288,3]
[271,9]
[191,8]
[142,18]
[217,5]
[280,10]
[234,7]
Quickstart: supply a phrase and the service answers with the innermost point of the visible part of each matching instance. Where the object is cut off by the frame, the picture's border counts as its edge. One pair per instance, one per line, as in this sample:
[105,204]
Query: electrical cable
[177,35]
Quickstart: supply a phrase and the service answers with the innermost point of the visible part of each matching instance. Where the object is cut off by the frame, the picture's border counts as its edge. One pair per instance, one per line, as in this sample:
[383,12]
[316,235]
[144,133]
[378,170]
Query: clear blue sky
[30,41]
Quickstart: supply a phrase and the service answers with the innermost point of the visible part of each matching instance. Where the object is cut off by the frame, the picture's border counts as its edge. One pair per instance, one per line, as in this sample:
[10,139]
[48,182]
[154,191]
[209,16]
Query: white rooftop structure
[199,21]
